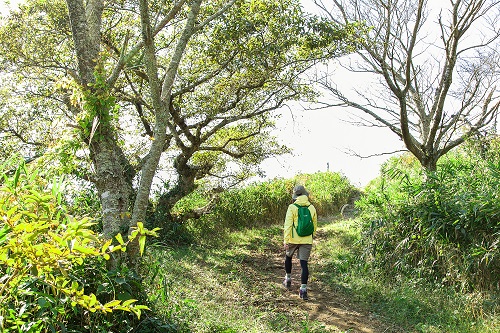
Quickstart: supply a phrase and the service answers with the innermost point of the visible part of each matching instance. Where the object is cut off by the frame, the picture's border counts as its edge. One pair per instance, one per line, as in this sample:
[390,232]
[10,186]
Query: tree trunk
[114,184]
[112,173]
[161,103]
[429,163]
[185,185]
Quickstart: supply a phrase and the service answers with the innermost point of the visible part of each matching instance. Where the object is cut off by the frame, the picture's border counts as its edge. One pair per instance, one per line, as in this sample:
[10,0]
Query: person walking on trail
[294,242]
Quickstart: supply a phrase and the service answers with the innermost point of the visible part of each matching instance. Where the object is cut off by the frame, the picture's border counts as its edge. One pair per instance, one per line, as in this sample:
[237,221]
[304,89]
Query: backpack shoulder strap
[293,222]
[298,206]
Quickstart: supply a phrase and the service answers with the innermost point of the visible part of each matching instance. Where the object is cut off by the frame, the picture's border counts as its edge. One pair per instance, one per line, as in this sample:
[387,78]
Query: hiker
[294,242]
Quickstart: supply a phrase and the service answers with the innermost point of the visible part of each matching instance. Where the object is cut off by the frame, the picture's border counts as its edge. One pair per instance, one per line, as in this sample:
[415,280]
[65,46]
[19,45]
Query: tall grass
[412,304]
[233,287]
[228,288]
[329,191]
[259,204]
[444,225]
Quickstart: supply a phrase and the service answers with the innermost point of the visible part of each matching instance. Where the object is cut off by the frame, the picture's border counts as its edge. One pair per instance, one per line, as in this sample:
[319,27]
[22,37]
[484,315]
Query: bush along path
[235,285]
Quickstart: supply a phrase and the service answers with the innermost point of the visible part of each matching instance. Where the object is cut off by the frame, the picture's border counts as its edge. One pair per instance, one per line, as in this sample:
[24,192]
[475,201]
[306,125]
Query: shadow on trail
[330,309]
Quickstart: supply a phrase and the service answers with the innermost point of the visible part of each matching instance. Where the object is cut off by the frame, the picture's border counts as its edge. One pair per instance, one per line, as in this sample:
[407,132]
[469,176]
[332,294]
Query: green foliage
[83,200]
[185,282]
[243,63]
[99,107]
[323,34]
[329,191]
[255,205]
[414,304]
[30,107]
[241,277]
[442,225]
[42,249]
[261,204]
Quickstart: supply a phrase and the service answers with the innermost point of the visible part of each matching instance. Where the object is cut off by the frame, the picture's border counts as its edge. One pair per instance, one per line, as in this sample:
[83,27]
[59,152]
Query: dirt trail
[333,310]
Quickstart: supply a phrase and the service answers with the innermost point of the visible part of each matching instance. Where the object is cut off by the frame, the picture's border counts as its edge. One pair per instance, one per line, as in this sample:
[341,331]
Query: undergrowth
[235,288]
[411,303]
[223,288]
[443,225]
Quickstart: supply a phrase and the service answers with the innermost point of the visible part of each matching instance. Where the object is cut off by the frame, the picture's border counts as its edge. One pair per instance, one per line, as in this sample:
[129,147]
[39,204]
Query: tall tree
[436,69]
[111,166]
[175,86]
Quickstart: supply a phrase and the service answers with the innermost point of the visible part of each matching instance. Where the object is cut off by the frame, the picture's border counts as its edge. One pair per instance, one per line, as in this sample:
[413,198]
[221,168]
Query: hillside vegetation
[443,226]
[420,254]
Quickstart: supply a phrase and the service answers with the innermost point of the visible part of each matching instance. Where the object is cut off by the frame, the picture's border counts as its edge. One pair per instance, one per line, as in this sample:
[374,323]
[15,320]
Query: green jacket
[291,237]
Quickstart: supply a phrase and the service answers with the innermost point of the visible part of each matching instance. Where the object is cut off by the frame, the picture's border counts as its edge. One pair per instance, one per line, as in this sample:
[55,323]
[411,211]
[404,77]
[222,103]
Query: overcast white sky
[5,4]
[322,139]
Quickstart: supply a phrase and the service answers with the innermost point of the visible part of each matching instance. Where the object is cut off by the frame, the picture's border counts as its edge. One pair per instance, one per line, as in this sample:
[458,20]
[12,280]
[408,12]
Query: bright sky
[323,139]
[320,140]
[5,4]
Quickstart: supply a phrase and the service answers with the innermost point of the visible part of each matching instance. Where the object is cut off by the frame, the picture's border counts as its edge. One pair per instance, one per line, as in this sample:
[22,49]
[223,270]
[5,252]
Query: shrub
[329,190]
[262,204]
[43,251]
[443,225]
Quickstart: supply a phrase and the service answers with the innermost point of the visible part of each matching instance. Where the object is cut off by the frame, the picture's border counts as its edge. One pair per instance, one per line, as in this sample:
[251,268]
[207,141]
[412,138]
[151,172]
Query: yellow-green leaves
[40,244]
[141,232]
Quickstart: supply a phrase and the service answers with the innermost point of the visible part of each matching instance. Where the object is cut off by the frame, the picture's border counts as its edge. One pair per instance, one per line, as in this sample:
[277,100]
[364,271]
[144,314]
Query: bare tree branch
[426,107]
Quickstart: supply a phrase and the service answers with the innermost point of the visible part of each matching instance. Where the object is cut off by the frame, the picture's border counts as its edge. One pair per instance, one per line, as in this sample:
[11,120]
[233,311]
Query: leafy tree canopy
[244,61]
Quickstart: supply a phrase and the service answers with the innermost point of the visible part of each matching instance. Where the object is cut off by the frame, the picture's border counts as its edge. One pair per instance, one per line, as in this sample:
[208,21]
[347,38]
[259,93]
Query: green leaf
[16,177]
[142,244]
[128,302]
[120,239]
[112,304]
[3,234]
[106,245]
[115,248]
[83,249]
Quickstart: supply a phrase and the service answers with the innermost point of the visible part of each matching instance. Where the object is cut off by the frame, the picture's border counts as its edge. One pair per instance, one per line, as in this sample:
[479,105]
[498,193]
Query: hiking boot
[303,294]
[287,283]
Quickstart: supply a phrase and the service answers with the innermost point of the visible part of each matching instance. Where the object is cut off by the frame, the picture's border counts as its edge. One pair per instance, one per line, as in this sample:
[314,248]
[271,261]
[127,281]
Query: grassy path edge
[233,284]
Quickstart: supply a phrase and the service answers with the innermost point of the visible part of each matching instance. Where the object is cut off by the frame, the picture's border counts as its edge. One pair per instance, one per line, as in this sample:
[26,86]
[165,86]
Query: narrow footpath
[332,310]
